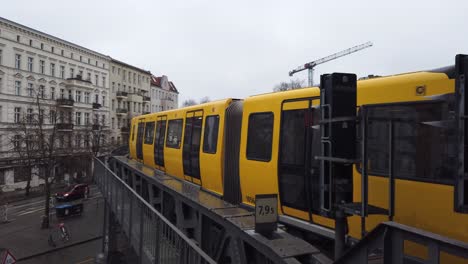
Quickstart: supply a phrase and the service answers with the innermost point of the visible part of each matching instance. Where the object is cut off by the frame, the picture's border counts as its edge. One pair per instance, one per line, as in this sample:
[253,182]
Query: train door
[191,148]
[139,143]
[298,171]
[161,122]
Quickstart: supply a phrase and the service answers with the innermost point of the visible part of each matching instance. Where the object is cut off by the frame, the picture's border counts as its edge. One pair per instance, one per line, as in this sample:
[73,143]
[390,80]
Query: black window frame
[409,178]
[251,115]
[149,140]
[205,135]
[169,144]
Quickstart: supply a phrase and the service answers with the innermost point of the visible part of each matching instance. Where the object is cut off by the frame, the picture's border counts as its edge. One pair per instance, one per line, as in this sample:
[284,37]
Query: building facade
[86,97]
[130,88]
[164,94]
[72,83]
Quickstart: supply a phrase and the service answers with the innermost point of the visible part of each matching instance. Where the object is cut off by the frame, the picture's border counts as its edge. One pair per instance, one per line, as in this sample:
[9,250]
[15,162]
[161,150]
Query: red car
[78,191]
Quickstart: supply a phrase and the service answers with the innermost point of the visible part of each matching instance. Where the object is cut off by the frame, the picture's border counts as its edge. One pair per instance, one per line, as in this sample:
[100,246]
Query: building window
[42,46]
[103,120]
[41,116]
[87,96]
[18,61]
[30,90]
[113,104]
[210,138]
[52,93]
[96,63]
[103,100]
[78,96]
[30,64]
[61,52]
[62,93]
[96,79]
[89,61]
[78,118]
[17,114]
[1,57]
[89,76]
[16,143]
[72,72]
[42,66]
[78,140]
[18,38]
[96,98]
[103,81]
[71,55]
[113,69]
[41,91]
[86,115]
[113,123]
[30,42]
[70,95]
[81,58]
[52,69]
[29,115]
[118,122]
[52,117]
[113,87]
[260,136]
[52,49]
[17,88]
[62,71]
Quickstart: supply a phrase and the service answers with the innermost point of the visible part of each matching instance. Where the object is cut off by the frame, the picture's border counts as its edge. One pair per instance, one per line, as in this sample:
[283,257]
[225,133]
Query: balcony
[62,102]
[121,111]
[121,95]
[132,97]
[125,130]
[96,106]
[64,126]
[146,98]
[79,82]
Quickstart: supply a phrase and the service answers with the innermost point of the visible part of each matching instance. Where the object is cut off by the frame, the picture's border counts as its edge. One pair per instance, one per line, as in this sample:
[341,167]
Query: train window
[149,132]
[210,138]
[174,133]
[260,136]
[133,133]
[423,146]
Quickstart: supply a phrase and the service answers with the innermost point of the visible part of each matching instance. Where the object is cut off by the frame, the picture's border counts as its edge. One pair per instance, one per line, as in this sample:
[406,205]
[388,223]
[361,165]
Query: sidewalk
[25,238]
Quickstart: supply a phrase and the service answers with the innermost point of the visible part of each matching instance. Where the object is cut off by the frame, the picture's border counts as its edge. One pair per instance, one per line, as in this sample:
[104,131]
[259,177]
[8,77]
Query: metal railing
[153,237]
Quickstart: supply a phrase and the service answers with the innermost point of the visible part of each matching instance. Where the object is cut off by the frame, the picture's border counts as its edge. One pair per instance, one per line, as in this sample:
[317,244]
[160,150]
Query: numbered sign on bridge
[266,213]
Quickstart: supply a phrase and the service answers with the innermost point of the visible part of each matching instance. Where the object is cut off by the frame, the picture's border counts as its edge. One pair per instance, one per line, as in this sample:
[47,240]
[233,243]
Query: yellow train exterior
[273,149]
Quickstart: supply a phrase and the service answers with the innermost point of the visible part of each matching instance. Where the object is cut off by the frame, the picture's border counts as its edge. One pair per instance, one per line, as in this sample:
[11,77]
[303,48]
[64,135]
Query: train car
[268,143]
[186,143]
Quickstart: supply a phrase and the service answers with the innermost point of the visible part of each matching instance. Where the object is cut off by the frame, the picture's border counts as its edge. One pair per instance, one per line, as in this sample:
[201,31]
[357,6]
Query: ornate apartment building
[129,89]
[164,94]
[79,90]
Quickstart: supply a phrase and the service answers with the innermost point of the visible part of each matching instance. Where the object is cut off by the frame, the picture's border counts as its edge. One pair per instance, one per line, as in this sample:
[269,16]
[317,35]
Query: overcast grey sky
[239,48]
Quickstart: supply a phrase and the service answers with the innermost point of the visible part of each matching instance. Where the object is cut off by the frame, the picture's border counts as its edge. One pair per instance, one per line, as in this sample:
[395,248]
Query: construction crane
[310,66]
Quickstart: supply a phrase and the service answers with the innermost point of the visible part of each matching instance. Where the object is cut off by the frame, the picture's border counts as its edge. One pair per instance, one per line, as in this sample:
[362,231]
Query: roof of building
[156,81]
[52,37]
[130,66]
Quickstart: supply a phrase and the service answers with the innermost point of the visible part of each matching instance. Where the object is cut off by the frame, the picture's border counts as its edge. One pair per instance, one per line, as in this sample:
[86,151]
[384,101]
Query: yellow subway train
[266,144]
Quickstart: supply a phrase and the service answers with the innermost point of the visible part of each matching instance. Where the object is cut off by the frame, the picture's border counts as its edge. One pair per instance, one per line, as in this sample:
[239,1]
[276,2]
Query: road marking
[30,212]
[85,261]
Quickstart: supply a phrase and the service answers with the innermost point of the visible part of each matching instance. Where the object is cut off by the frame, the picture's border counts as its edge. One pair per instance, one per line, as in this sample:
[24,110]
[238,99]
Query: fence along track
[152,236]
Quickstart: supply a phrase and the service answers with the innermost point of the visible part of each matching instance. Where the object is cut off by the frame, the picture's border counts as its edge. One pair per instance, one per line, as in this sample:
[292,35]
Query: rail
[386,242]
[152,236]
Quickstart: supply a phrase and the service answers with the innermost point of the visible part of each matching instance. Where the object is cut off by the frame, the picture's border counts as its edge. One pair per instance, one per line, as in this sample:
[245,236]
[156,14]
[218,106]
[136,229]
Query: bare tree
[189,102]
[205,99]
[291,85]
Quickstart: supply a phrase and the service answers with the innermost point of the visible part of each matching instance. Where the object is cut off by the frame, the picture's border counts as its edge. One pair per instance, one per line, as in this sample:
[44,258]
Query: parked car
[74,192]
